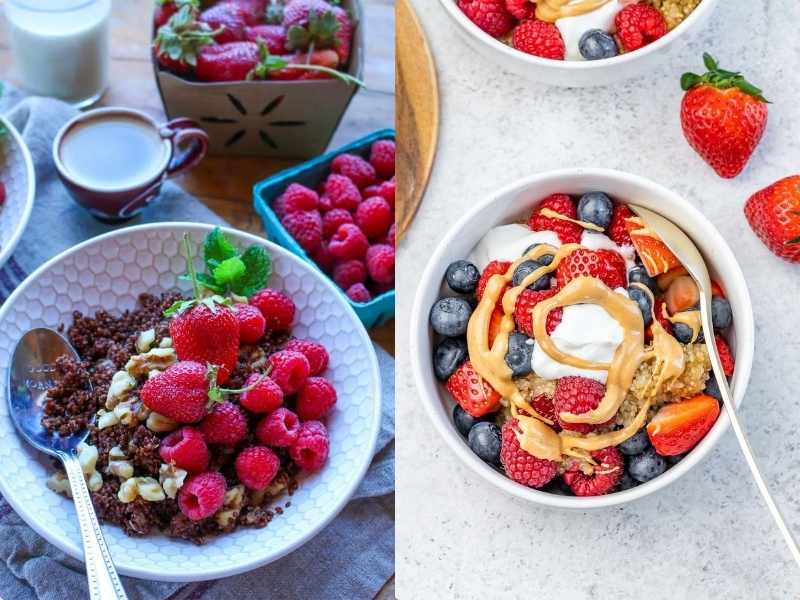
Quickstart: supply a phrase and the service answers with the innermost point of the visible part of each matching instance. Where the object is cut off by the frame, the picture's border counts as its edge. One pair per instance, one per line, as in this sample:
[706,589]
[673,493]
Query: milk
[61,47]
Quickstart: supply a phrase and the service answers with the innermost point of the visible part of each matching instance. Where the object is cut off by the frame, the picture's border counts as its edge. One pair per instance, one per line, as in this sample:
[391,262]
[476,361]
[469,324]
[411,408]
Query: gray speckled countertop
[708,535]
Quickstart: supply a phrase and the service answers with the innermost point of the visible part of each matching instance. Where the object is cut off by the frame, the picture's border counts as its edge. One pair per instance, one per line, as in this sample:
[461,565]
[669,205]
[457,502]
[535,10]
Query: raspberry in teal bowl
[372,313]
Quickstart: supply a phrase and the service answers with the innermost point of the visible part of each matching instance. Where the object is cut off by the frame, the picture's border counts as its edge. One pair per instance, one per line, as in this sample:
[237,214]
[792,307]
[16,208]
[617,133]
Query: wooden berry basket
[279,119]
[381,308]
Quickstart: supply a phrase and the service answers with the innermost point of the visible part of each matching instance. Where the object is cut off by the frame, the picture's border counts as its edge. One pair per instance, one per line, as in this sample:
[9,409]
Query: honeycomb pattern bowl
[110,271]
[16,173]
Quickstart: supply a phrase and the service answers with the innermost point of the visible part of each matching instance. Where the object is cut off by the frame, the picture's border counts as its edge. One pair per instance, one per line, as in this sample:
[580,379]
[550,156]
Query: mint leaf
[258,268]
[216,249]
[229,270]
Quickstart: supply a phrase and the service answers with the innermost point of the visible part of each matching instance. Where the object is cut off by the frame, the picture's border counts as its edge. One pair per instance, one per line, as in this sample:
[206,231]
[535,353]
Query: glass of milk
[61,47]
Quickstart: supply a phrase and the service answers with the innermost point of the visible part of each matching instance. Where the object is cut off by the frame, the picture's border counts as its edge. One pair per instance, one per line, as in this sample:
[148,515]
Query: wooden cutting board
[417,114]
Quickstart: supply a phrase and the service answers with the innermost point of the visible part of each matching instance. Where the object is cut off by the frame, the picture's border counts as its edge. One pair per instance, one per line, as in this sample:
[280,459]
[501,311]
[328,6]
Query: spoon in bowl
[689,256]
[29,378]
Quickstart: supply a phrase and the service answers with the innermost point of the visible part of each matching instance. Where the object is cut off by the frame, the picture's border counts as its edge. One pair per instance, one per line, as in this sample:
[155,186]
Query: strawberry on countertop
[774,215]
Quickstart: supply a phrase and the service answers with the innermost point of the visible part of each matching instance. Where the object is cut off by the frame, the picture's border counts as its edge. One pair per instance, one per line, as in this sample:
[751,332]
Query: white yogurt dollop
[509,242]
[572,28]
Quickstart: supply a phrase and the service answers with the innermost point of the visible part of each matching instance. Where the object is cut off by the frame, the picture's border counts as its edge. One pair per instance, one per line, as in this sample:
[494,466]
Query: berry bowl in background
[109,272]
[381,308]
[575,73]
[508,206]
[19,180]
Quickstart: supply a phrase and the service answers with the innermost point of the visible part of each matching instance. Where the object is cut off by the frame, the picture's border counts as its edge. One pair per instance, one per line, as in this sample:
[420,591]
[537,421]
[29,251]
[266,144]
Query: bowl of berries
[576,43]
[263,77]
[17,188]
[337,212]
[230,396]
[559,345]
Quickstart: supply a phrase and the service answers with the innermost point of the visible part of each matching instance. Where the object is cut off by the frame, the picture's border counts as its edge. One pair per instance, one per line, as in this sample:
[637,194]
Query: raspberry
[577,395]
[348,242]
[332,219]
[520,466]
[490,15]
[298,197]
[263,395]
[521,9]
[525,303]
[607,474]
[276,307]
[186,448]
[314,352]
[380,263]
[305,227]
[325,203]
[202,495]
[616,229]
[289,370]
[381,157]
[725,355]
[278,429]
[496,267]
[310,450]
[323,258]
[374,216]
[358,293]
[385,190]
[315,399]
[605,265]
[279,206]
[256,467]
[342,192]
[539,38]
[638,25]
[355,168]
[225,424]
[390,236]
[568,232]
[349,272]
[252,323]
[545,407]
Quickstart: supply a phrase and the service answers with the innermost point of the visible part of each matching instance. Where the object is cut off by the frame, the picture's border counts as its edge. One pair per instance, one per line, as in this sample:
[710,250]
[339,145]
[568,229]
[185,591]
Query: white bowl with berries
[560,352]
[232,406]
[17,188]
[576,43]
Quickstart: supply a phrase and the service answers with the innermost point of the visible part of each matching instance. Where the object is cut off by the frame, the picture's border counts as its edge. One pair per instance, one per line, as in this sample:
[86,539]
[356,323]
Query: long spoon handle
[104,583]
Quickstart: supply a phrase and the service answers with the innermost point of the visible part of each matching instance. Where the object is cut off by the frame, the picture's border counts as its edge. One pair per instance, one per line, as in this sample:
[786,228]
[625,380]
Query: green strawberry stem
[216,394]
[720,79]
[210,302]
[269,63]
[187,248]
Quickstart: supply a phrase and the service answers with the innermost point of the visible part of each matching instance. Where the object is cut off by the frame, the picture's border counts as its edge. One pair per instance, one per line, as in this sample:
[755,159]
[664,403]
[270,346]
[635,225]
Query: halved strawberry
[656,257]
[567,231]
[725,355]
[472,392]
[494,323]
[658,310]
[678,427]
[496,267]
[605,265]
[525,303]
[616,230]
[545,407]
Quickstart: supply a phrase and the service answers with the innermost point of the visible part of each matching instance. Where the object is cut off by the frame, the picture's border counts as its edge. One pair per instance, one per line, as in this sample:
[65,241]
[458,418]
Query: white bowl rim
[66,545]
[8,248]
[745,349]
[577,65]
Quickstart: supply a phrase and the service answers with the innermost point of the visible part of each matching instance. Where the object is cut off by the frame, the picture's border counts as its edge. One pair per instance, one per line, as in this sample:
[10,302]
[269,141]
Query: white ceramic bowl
[16,173]
[574,73]
[110,272]
[516,201]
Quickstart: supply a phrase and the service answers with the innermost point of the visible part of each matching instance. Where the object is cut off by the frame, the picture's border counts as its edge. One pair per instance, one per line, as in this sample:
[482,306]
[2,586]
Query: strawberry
[577,395]
[496,267]
[207,335]
[655,255]
[616,230]
[231,17]
[491,16]
[725,355]
[179,393]
[344,35]
[526,301]
[273,35]
[178,42]
[717,290]
[298,12]
[678,427]
[472,392]
[723,117]
[166,8]
[774,215]
[539,38]
[606,474]
[254,10]
[605,265]
[227,62]
[568,232]
[638,25]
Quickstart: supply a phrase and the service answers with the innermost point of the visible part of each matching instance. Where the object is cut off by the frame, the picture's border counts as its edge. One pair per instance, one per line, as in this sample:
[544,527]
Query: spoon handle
[104,583]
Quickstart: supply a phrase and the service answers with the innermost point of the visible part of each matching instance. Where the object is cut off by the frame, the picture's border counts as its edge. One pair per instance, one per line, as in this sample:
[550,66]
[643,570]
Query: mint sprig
[209,301]
[720,79]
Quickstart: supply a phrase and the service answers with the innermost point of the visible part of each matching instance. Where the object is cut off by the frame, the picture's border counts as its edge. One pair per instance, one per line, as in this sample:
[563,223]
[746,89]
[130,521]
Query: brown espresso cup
[114,160]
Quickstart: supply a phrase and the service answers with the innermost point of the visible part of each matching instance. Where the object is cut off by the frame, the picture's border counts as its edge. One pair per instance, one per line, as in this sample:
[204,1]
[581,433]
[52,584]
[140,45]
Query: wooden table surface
[224,183]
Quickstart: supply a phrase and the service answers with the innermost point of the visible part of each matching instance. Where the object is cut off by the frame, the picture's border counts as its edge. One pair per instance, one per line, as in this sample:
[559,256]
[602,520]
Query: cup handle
[189,145]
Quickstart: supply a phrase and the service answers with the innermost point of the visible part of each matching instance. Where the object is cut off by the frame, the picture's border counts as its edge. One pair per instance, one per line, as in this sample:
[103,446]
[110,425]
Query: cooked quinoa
[675,11]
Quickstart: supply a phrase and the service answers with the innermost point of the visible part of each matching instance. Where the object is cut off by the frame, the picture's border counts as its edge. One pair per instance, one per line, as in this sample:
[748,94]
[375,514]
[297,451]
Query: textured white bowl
[16,172]
[515,202]
[110,271]
[574,73]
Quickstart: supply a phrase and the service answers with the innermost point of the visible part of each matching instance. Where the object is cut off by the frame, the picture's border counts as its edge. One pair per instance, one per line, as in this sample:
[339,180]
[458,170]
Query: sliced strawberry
[545,407]
[525,303]
[568,232]
[472,392]
[616,230]
[656,257]
[605,265]
[725,355]
[678,427]
[494,323]
[496,267]
[658,309]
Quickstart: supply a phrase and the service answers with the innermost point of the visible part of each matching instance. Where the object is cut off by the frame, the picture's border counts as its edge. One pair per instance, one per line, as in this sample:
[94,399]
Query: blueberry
[462,277]
[627,482]
[646,466]
[644,301]
[674,460]
[596,44]
[721,313]
[484,440]
[449,354]
[712,388]
[683,333]
[636,444]
[463,420]
[450,316]
[520,353]
[595,207]
[526,268]
[544,259]
[558,487]
[639,275]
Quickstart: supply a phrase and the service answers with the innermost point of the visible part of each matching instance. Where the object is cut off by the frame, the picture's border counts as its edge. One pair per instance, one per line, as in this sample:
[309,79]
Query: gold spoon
[689,256]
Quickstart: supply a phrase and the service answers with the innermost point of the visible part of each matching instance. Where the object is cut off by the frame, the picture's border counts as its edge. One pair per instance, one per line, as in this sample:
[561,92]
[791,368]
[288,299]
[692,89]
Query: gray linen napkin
[352,558]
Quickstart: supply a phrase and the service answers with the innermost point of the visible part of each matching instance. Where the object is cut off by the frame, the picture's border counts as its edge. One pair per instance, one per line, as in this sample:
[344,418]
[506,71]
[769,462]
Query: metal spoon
[689,256]
[29,378]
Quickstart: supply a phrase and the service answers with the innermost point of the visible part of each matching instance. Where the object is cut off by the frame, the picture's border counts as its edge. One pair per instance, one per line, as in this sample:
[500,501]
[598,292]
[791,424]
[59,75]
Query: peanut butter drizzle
[585,224]
[552,10]
[690,318]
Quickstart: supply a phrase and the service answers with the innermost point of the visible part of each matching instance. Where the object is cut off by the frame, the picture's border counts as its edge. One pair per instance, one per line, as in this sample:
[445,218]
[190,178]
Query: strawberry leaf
[720,79]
